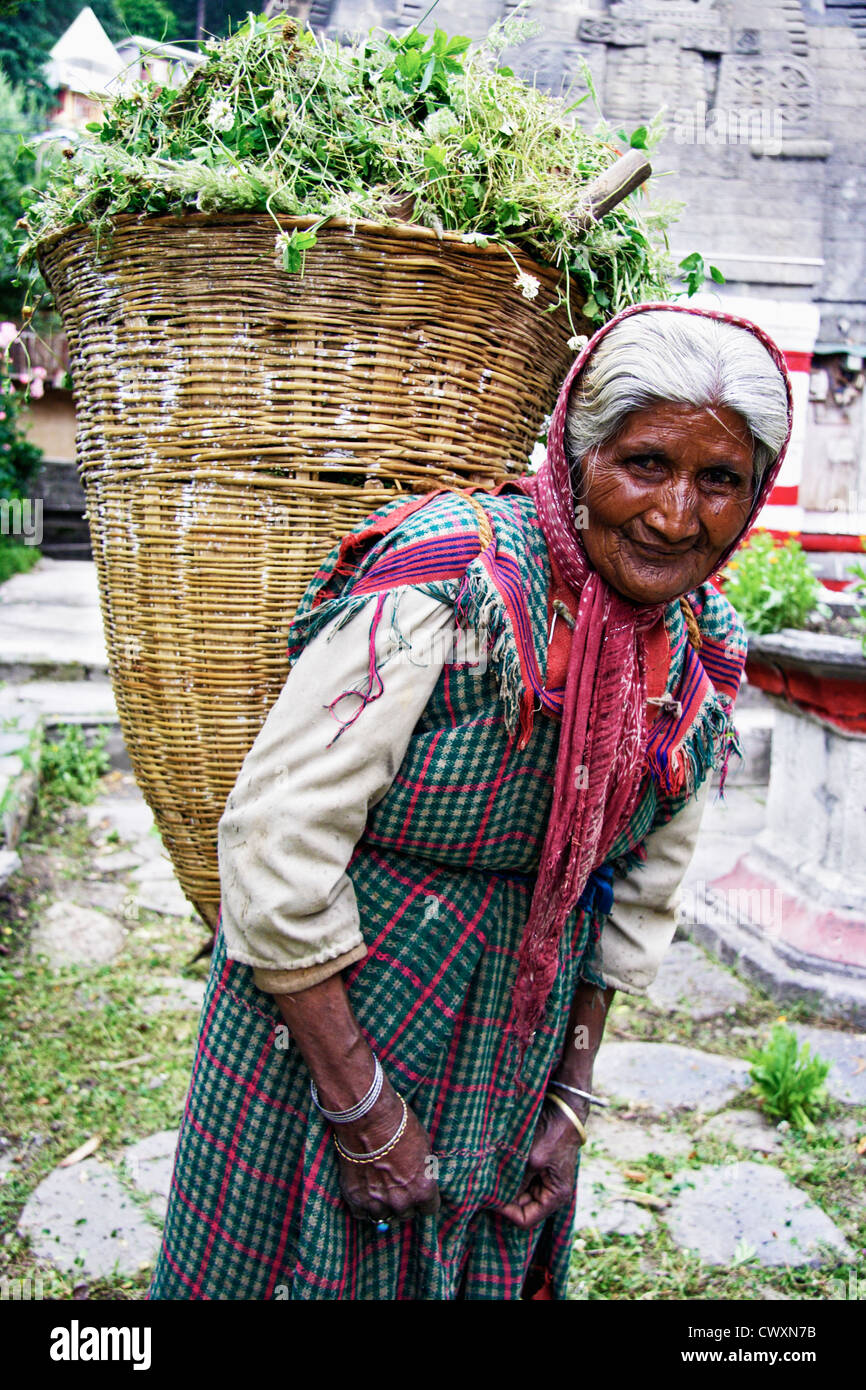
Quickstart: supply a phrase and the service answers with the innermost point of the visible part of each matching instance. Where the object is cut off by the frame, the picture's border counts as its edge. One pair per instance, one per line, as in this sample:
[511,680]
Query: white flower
[211,46]
[81,180]
[220,115]
[578,342]
[440,123]
[282,241]
[527,284]
[279,105]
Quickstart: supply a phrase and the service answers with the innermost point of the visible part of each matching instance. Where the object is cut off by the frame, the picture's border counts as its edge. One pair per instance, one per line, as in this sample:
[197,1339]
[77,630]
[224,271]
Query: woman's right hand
[400,1184]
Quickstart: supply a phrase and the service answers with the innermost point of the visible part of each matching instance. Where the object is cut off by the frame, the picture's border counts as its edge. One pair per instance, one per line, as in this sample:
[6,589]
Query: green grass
[16,558]
[58,1030]
[61,1034]
[823,1163]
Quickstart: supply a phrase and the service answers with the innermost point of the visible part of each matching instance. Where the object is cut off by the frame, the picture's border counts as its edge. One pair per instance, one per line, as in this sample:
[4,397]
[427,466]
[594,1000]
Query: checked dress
[443,875]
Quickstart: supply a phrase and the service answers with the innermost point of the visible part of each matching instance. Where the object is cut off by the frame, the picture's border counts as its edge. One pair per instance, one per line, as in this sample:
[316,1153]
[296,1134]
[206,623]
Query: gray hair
[685,359]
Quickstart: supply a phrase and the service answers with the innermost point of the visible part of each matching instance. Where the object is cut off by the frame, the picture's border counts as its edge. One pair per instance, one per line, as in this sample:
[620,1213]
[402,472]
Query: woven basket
[233,421]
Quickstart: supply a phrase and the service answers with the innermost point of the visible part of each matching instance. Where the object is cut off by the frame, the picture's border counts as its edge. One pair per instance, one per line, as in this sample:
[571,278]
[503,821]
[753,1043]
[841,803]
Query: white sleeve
[642,923]
[299,806]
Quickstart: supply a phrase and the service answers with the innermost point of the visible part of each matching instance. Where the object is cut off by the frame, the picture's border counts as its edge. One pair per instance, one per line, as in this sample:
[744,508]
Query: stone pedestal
[792,912]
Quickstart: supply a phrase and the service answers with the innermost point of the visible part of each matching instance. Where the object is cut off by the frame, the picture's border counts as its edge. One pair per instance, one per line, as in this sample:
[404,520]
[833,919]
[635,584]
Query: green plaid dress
[443,877]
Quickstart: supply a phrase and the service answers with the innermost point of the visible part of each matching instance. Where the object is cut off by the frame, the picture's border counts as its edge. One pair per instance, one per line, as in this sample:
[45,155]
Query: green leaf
[428,74]
[638,140]
[717,275]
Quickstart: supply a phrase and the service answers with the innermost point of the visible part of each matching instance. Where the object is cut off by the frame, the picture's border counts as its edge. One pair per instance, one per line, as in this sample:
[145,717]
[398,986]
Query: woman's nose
[674,514]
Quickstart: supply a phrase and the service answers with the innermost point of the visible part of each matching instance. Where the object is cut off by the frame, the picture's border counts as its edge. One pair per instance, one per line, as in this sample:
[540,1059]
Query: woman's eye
[644,463]
[723,477]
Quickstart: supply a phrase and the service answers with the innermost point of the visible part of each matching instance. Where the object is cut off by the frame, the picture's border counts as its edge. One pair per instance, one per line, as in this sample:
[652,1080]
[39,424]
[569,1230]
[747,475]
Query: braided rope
[485,529]
[691,624]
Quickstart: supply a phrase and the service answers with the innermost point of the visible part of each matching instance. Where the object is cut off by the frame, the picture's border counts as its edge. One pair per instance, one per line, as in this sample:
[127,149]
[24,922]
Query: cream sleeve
[641,926]
[299,806]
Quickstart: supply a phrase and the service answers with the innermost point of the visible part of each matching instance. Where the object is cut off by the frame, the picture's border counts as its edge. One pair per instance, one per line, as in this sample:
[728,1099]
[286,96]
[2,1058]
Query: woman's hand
[399,1185]
[551,1170]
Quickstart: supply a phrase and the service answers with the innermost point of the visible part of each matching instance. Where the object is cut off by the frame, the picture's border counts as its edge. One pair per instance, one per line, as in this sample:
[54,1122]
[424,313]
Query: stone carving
[688,10]
[546,63]
[747,41]
[622,35]
[705,38]
[784,85]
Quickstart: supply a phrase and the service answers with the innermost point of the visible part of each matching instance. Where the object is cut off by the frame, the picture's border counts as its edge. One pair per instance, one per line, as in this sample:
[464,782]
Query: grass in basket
[418,128]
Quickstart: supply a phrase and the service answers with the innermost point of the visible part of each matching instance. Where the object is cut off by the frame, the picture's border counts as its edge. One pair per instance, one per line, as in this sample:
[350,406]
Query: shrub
[771,586]
[70,769]
[791,1084]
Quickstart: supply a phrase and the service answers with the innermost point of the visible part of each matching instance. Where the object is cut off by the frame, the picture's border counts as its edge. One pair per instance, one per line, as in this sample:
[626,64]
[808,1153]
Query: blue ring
[382,1227]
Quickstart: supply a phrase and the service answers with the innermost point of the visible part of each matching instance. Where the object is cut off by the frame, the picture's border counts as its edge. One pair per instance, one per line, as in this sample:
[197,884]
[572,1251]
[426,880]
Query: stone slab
[72,702]
[182,996]
[51,619]
[688,982]
[10,863]
[846,1053]
[735,1204]
[70,934]
[668,1076]
[120,862]
[83,1221]
[631,1141]
[599,1208]
[164,896]
[745,1129]
[158,867]
[130,816]
[148,1166]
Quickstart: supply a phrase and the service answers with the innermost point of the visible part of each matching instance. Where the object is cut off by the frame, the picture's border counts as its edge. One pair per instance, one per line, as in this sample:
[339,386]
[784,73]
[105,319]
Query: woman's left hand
[551,1168]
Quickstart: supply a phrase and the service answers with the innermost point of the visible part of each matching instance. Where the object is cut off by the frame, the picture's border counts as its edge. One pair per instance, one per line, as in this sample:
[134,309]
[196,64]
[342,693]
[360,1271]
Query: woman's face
[666,498]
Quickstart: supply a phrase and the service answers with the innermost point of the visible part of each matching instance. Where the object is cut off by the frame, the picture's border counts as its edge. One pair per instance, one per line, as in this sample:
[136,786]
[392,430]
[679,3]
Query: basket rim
[404,231]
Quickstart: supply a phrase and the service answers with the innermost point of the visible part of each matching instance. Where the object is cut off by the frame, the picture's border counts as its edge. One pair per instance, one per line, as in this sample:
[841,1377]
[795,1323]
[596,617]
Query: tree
[19,120]
[29,30]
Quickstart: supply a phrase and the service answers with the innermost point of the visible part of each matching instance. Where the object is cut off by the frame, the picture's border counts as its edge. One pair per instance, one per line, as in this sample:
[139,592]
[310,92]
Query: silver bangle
[355,1112]
[593,1100]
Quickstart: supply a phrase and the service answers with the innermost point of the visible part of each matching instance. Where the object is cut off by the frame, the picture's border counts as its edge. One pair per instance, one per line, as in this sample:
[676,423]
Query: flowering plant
[771,586]
[418,128]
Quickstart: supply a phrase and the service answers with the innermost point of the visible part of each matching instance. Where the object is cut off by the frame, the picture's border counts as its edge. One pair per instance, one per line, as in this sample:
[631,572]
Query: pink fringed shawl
[603,734]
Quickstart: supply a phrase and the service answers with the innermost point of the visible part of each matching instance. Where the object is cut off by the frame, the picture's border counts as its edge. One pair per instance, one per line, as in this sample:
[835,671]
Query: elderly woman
[461,828]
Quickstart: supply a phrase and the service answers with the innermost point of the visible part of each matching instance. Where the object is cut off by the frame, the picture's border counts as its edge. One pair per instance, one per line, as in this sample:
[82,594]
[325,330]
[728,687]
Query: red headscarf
[600,760]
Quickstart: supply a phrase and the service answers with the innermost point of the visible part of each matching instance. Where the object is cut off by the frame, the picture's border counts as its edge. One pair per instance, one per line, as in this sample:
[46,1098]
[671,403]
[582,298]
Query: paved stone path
[689,982]
[726,1212]
[667,1076]
[100,1217]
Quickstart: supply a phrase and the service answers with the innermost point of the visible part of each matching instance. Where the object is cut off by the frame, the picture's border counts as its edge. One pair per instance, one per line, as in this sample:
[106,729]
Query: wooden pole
[609,189]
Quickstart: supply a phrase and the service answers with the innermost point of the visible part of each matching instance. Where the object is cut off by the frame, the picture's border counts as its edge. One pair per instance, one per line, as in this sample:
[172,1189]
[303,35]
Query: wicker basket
[234,421]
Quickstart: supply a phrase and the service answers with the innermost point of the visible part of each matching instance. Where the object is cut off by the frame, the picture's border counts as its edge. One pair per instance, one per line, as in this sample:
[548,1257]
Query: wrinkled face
[666,498]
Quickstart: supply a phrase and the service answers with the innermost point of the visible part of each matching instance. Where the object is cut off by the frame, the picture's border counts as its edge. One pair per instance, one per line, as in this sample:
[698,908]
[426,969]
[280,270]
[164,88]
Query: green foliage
[278,120]
[16,558]
[22,175]
[70,770]
[858,588]
[791,1083]
[151,19]
[695,271]
[19,459]
[28,32]
[771,586]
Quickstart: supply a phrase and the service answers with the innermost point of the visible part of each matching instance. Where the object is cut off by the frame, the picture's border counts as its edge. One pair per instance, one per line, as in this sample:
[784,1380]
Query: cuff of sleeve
[305,976]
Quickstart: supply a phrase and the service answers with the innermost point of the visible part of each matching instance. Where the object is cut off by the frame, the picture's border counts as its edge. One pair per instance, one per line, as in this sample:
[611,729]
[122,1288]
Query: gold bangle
[377,1153]
[567,1110]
